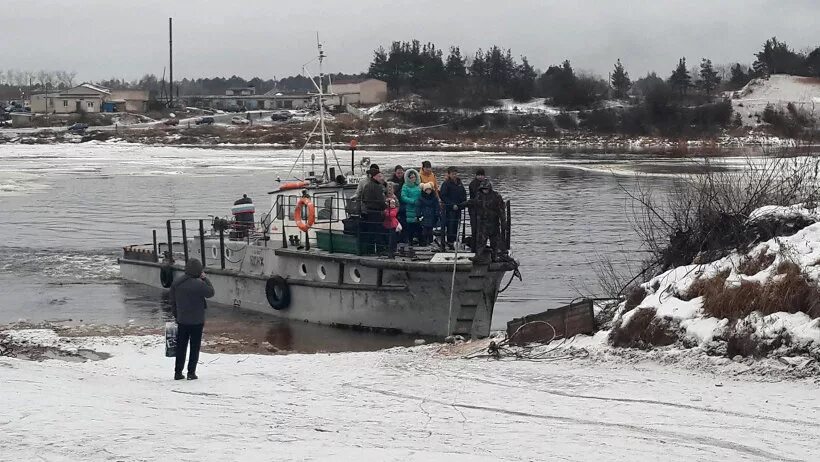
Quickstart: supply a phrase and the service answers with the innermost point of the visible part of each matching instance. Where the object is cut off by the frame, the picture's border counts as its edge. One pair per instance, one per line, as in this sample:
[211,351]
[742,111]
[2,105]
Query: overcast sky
[266,38]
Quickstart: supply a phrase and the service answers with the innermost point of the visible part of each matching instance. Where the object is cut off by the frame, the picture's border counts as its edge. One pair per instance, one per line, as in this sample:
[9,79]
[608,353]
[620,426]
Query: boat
[305,260]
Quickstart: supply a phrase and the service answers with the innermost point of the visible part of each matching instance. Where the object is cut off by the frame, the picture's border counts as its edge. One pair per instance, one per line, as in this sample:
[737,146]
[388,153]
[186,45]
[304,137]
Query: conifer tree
[709,79]
[455,64]
[620,80]
[739,76]
[680,79]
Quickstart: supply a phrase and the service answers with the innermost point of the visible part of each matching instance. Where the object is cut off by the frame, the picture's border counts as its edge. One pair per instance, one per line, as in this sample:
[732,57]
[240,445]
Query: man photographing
[187,297]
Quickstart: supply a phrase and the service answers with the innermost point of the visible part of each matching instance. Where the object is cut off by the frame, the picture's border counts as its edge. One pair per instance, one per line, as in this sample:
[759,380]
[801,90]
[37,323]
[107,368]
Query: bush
[468,122]
[600,120]
[566,121]
[704,216]
[644,330]
[421,118]
[709,117]
[791,124]
[791,292]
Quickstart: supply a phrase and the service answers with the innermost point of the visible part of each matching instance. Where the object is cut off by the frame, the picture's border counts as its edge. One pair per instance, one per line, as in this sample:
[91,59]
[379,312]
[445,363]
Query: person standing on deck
[453,196]
[410,194]
[480,175]
[391,221]
[398,181]
[427,176]
[187,297]
[491,218]
[373,205]
[430,212]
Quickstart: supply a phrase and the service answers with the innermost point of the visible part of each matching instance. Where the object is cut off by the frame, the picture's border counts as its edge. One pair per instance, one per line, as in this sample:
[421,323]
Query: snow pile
[778,90]
[534,106]
[673,298]
[785,212]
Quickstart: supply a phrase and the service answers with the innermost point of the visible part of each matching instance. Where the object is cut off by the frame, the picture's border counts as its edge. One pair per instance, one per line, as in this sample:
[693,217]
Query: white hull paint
[346,290]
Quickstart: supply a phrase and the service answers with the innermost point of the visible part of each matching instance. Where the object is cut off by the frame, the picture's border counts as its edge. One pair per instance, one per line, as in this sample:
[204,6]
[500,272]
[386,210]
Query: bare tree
[705,215]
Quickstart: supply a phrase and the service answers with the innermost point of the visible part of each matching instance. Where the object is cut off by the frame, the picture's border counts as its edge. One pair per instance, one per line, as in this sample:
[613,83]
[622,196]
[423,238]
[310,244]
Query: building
[129,101]
[358,91]
[231,101]
[244,91]
[277,100]
[90,98]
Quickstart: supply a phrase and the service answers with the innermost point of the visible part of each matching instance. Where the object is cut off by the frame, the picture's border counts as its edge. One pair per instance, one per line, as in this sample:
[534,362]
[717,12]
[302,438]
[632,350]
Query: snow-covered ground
[401,404]
[533,106]
[778,90]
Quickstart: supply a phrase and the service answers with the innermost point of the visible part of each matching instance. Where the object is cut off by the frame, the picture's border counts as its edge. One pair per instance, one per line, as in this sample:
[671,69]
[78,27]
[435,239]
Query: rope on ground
[530,351]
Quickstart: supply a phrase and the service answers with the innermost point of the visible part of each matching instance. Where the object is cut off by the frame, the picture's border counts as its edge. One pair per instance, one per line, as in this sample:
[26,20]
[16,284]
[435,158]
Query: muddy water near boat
[70,208]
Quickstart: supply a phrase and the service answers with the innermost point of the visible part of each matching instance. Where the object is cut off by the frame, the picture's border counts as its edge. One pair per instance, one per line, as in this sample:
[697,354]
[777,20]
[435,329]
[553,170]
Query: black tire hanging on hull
[166,276]
[278,293]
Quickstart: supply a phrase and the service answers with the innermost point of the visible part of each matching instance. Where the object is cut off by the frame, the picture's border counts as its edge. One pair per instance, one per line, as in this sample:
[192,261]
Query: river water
[67,210]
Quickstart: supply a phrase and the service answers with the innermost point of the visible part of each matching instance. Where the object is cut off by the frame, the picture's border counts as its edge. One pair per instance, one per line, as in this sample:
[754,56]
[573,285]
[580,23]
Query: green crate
[338,242]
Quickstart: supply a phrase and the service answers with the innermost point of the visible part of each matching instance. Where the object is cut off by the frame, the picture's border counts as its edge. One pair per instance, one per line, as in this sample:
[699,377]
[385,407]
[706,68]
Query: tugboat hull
[366,293]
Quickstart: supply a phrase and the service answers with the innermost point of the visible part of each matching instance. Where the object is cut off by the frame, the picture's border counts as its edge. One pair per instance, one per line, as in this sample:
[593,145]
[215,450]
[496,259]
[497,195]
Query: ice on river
[399,404]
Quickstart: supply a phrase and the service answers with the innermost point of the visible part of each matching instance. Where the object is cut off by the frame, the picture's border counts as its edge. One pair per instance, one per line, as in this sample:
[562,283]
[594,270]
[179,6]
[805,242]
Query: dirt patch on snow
[32,350]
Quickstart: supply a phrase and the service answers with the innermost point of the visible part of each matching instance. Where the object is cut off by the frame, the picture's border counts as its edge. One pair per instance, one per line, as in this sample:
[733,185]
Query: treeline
[410,67]
[413,67]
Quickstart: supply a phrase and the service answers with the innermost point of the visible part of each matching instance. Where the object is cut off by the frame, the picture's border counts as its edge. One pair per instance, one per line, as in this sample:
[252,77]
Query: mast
[171,62]
[320,97]
[318,83]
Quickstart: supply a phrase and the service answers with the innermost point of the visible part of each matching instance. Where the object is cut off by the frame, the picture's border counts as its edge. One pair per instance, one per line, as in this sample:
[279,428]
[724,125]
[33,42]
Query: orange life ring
[294,185]
[311,218]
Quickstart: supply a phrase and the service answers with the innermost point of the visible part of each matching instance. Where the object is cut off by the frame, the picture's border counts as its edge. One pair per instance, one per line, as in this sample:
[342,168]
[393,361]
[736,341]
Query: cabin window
[327,207]
[280,208]
[90,105]
[65,103]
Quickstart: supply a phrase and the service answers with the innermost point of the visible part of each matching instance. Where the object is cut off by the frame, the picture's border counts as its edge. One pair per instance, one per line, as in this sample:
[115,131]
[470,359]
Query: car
[237,120]
[280,116]
[78,128]
[205,121]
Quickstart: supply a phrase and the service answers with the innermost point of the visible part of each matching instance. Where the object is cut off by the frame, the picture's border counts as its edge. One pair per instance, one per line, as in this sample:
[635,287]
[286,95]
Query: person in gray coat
[187,297]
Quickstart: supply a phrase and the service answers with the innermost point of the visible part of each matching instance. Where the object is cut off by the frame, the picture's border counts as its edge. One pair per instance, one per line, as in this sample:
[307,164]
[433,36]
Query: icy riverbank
[399,404]
[757,302]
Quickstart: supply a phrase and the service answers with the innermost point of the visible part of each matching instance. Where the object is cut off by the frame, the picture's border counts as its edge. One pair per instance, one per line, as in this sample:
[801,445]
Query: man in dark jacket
[373,205]
[187,297]
[480,175]
[397,179]
[491,219]
[453,195]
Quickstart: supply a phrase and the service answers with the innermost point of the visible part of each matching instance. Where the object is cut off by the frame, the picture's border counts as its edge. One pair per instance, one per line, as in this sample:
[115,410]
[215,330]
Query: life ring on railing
[166,276]
[277,292]
[311,210]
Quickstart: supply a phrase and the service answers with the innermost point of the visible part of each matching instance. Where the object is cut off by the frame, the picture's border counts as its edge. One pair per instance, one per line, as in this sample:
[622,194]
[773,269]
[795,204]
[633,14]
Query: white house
[90,98]
[359,91]
[82,98]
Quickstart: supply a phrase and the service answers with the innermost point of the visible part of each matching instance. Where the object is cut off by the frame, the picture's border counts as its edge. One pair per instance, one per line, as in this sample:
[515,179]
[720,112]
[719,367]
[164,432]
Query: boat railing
[344,225]
[237,231]
[340,227]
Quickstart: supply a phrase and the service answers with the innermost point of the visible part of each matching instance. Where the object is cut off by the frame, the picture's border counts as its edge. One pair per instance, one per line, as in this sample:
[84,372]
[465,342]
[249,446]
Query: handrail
[334,211]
